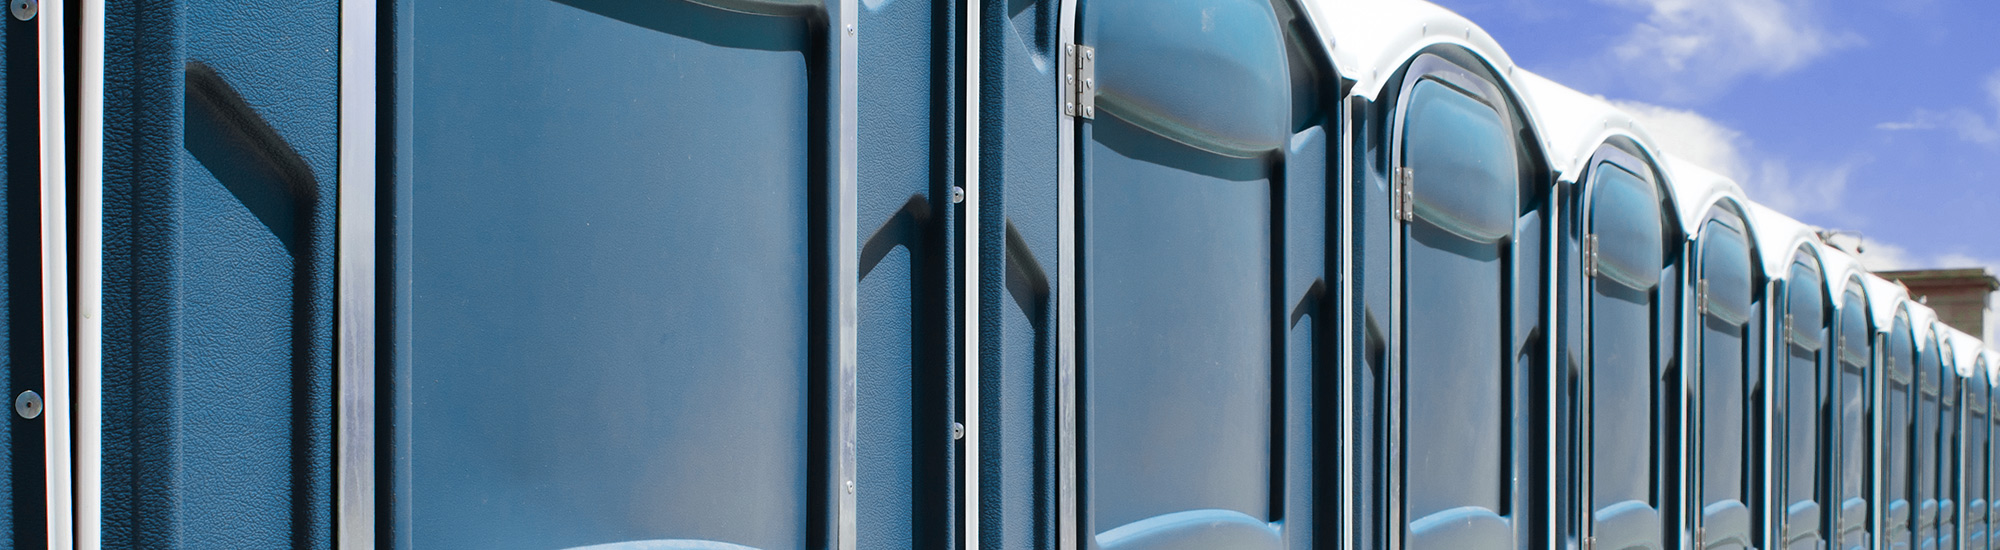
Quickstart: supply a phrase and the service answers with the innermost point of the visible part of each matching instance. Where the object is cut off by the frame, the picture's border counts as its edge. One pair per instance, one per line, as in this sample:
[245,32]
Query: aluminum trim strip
[354,492]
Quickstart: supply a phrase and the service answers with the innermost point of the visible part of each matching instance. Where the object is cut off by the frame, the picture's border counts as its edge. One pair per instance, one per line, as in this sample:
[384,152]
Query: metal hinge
[1785,330]
[1080,83]
[1701,297]
[1590,256]
[1700,538]
[1589,543]
[1403,194]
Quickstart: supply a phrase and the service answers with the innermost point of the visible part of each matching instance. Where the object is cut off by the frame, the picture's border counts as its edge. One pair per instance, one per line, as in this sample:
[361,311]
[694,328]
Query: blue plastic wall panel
[610,286]
[1018,179]
[1802,489]
[1853,421]
[1625,482]
[1187,287]
[1723,471]
[22,502]
[906,481]
[1899,412]
[1992,451]
[1369,232]
[219,168]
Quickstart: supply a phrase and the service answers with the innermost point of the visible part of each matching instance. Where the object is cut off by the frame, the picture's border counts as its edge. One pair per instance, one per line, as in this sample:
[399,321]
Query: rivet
[957,195]
[25,9]
[1089,83]
[850,29]
[1069,108]
[1089,111]
[957,430]
[1069,49]
[850,486]
[28,405]
[1089,55]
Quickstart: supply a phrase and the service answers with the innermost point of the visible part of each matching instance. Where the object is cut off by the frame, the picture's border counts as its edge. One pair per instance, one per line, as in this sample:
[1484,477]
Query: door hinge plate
[1403,195]
[1701,297]
[1080,81]
[1590,256]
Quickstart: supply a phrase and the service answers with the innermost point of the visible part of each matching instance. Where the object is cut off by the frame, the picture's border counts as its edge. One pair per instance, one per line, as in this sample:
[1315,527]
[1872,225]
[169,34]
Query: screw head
[957,430]
[28,404]
[1089,55]
[1090,84]
[1089,111]
[957,196]
[850,486]
[850,29]
[24,9]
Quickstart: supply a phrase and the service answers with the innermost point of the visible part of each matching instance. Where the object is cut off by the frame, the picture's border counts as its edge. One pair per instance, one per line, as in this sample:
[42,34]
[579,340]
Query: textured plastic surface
[219,155]
[611,226]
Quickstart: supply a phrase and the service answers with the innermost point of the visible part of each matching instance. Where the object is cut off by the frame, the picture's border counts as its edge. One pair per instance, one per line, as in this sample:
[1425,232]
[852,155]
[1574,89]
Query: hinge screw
[957,194]
[25,9]
[1089,111]
[1069,108]
[1089,55]
[28,405]
[957,431]
[850,486]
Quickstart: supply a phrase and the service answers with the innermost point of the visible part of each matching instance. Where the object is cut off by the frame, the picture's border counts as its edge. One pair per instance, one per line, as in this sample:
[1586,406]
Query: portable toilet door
[1929,456]
[625,298]
[1629,400]
[1951,390]
[1728,384]
[1802,381]
[1854,417]
[1199,265]
[1977,459]
[1466,225]
[1899,434]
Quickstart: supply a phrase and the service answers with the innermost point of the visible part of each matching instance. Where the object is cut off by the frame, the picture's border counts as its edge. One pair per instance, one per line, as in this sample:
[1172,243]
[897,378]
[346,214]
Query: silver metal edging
[1068,512]
[1345,303]
[1552,265]
[846,270]
[968,284]
[90,281]
[354,492]
[58,409]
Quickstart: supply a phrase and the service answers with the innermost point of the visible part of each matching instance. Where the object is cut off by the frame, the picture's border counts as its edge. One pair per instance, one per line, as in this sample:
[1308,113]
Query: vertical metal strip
[355,404]
[1068,513]
[90,279]
[55,281]
[1769,368]
[1346,297]
[846,269]
[1552,265]
[968,282]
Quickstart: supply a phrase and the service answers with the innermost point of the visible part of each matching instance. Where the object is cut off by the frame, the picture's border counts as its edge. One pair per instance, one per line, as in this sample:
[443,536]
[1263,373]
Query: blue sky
[1881,117]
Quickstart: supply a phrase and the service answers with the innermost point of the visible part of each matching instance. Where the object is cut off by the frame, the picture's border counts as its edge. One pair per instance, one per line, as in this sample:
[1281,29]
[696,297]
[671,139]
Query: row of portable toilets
[1023,274]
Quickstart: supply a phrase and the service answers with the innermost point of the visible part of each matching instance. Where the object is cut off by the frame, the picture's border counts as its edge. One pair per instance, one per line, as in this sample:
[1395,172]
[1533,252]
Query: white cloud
[1692,49]
[1819,189]
[1970,124]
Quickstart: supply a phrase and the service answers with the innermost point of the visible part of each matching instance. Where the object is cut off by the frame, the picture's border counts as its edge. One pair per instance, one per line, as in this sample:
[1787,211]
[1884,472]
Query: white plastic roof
[1883,299]
[1574,124]
[1369,40]
[1839,268]
[1992,366]
[1964,349]
[1778,236]
[1923,322]
[1697,190]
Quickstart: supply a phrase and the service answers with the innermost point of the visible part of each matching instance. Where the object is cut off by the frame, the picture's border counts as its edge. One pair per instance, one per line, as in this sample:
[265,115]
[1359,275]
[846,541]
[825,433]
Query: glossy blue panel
[1854,421]
[1804,492]
[1206,73]
[1177,297]
[1898,441]
[1625,216]
[220,151]
[1455,281]
[608,293]
[1725,414]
